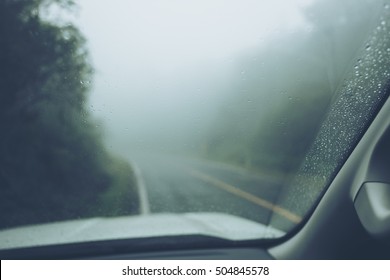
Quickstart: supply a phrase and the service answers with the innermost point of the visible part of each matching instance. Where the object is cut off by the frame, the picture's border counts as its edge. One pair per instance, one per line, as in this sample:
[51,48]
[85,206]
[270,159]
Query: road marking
[248,196]
[144,207]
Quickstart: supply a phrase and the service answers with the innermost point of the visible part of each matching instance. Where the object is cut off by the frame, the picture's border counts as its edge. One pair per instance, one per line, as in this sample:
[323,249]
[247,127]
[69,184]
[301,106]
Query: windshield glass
[124,119]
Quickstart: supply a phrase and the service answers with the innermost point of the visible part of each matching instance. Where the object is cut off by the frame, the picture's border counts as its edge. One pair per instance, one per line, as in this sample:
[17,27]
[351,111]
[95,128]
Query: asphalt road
[178,185]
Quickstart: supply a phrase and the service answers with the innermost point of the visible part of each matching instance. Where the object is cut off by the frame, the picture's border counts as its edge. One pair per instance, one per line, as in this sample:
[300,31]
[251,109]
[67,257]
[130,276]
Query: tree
[53,164]
[275,112]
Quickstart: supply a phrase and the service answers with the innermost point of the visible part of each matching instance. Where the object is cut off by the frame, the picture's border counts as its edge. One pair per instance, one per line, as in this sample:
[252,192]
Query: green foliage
[283,90]
[53,165]
[121,198]
[276,110]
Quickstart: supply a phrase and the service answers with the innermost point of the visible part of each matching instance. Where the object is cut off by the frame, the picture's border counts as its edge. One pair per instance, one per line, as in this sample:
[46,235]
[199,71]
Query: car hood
[210,224]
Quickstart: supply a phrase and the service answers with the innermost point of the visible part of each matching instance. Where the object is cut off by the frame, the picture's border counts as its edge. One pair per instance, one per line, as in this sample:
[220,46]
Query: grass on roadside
[121,198]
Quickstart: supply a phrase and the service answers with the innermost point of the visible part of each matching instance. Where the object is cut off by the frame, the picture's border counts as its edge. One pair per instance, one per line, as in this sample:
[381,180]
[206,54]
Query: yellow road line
[245,195]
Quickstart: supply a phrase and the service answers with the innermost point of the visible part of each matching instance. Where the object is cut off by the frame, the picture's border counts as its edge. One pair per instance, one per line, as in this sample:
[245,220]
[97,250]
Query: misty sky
[161,66]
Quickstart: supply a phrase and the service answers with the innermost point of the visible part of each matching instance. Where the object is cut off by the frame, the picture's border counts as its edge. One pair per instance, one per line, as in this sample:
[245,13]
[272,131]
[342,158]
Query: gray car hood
[95,229]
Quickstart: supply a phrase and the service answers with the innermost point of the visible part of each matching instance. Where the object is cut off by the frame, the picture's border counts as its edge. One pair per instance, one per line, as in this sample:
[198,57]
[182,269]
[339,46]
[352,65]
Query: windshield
[154,118]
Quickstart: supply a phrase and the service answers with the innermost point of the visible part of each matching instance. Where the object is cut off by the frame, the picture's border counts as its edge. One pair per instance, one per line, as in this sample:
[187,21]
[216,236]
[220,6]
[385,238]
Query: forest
[279,94]
[53,164]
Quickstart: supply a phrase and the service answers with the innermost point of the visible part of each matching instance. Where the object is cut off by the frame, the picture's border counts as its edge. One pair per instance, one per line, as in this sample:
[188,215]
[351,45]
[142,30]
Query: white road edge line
[144,207]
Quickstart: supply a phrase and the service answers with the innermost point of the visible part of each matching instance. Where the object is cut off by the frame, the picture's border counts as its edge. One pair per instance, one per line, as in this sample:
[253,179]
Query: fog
[163,68]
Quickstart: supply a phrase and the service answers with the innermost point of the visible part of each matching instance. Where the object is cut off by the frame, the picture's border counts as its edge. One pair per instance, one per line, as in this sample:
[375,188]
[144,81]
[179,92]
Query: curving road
[177,184]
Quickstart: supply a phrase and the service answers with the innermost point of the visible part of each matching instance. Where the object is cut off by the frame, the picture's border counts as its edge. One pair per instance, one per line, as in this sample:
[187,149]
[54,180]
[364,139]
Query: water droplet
[368,47]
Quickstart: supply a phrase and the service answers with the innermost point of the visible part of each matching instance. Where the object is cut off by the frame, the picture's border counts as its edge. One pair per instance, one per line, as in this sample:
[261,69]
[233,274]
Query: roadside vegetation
[279,94]
[53,164]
